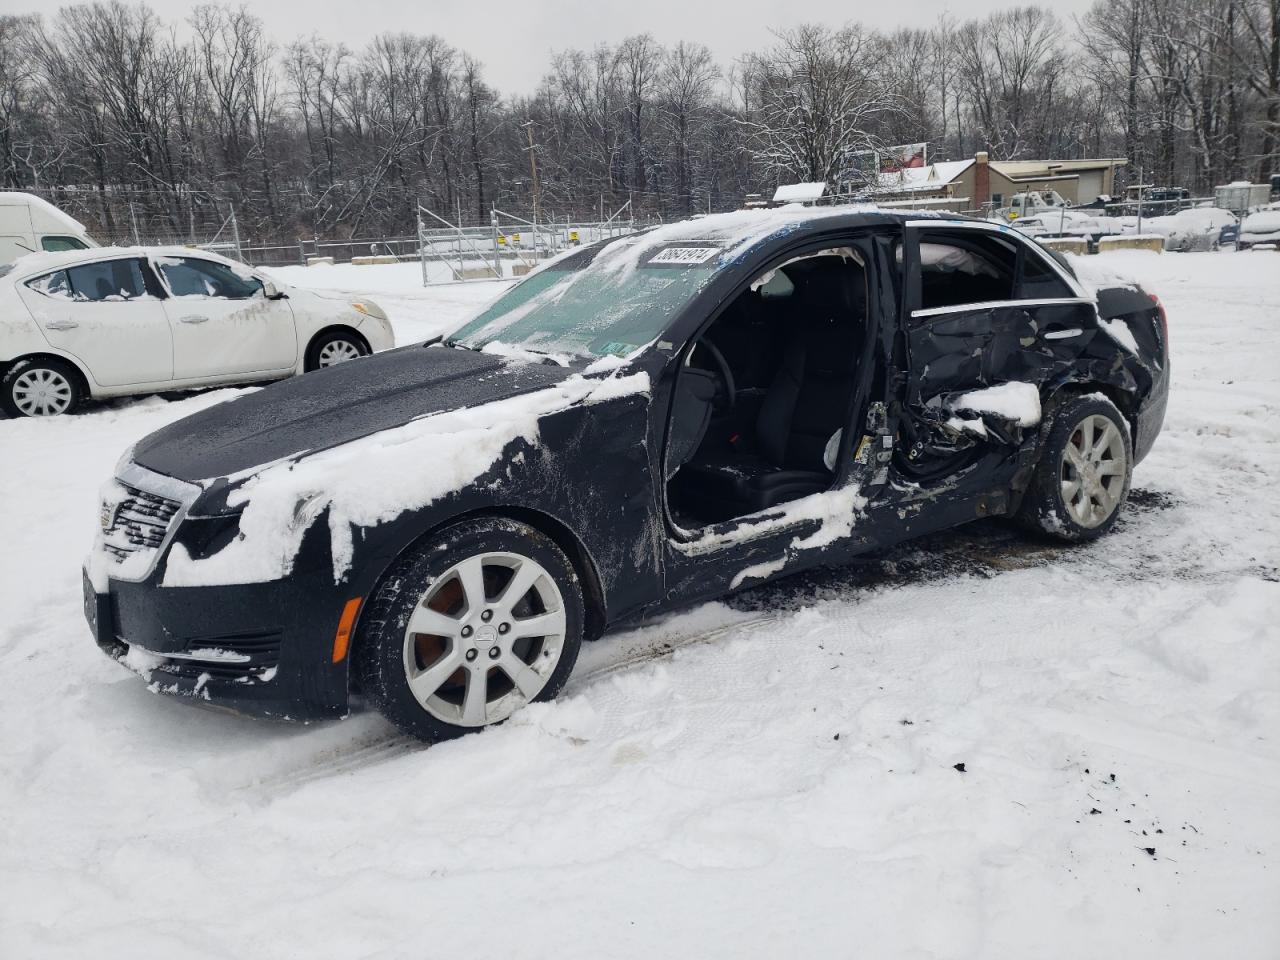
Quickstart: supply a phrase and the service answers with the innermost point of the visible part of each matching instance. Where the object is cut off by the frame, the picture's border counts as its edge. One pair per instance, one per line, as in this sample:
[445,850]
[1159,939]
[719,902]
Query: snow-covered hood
[334,406]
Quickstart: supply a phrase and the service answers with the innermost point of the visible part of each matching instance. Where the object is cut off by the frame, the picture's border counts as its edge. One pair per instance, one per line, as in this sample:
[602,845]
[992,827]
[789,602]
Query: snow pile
[1014,401]
[282,500]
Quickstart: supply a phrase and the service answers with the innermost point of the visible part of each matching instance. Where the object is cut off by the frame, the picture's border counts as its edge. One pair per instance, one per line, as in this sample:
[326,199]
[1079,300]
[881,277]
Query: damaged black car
[648,422]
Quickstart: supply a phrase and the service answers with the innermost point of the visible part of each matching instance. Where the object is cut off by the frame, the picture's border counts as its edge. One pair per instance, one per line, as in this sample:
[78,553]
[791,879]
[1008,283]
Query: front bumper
[263,650]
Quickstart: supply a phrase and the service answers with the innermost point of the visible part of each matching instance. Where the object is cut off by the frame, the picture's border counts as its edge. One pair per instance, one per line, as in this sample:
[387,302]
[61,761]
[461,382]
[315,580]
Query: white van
[29,224]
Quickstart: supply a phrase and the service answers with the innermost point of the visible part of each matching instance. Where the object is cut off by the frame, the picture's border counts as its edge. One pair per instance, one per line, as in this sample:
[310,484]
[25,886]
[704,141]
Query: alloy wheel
[1092,472]
[484,639]
[42,392]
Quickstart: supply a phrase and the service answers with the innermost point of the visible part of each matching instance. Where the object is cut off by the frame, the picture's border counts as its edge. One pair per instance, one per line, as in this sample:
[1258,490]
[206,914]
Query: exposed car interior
[765,391]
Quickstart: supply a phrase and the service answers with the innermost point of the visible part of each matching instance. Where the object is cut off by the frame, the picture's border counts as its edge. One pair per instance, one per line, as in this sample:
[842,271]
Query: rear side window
[52,285]
[1039,281]
[960,271]
[54,244]
[110,280]
[194,277]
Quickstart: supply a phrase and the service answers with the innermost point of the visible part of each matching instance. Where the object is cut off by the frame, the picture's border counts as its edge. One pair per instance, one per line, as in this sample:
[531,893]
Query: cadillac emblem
[107,516]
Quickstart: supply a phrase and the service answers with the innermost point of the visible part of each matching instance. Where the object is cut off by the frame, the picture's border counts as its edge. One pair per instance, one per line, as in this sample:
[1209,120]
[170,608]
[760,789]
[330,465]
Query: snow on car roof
[33,264]
[736,232]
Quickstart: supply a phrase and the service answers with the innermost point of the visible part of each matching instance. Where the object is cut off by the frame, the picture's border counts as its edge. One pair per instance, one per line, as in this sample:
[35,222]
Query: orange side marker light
[342,639]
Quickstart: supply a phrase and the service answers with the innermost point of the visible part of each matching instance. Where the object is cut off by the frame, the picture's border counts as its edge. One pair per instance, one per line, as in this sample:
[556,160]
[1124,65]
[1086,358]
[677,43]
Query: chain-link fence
[509,245]
[120,216]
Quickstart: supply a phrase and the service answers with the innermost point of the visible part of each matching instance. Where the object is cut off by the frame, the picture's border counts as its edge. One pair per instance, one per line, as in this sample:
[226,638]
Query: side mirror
[270,291]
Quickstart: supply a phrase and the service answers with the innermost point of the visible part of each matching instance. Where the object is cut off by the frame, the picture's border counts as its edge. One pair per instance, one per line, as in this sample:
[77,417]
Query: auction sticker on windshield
[683,256]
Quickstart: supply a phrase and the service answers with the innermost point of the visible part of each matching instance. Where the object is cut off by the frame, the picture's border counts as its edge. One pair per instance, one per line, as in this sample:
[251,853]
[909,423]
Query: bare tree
[686,85]
[819,96]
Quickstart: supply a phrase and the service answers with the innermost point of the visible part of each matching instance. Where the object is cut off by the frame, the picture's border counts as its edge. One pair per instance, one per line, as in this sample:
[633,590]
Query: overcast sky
[514,39]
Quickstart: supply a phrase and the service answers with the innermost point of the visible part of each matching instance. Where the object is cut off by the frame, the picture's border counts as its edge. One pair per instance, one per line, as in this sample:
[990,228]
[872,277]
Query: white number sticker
[685,255]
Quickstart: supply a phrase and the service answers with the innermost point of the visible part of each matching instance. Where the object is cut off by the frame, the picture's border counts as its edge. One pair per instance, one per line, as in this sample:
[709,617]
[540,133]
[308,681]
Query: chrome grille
[140,511]
[140,521]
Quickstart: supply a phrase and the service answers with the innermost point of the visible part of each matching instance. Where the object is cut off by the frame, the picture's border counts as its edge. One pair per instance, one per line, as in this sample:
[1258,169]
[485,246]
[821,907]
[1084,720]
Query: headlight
[369,309]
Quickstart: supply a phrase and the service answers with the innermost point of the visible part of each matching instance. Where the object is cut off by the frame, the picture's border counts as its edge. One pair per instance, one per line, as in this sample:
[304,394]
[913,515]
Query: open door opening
[765,391]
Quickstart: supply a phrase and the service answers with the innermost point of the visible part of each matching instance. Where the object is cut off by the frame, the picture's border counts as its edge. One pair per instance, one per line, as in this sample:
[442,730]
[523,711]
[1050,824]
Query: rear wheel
[470,627]
[1083,476]
[40,388]
[337,346]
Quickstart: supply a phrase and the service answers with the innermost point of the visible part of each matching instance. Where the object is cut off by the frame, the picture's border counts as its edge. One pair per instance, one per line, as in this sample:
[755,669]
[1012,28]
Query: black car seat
[806,403]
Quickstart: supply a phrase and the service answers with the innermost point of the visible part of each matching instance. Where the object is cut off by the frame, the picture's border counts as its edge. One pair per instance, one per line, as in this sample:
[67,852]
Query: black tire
[383,651]
[1045,508]
[61,376]
[348,339]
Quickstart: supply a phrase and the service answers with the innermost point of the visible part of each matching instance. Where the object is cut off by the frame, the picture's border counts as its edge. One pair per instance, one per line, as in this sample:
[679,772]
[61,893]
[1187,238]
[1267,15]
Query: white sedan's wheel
[484,639]
[36,388]
[334,347]
[338,351]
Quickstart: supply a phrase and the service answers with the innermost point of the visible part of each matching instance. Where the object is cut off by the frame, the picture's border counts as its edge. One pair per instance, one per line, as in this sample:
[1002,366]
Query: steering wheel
[722,368]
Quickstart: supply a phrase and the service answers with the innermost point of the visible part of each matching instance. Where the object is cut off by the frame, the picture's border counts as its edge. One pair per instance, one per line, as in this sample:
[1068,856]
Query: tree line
[104,102]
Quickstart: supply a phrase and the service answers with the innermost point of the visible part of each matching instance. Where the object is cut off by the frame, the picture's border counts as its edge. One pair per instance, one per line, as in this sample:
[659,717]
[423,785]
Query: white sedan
[119,321]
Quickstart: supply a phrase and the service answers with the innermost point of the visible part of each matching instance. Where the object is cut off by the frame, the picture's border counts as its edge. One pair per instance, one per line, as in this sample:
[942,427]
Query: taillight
[1164,321]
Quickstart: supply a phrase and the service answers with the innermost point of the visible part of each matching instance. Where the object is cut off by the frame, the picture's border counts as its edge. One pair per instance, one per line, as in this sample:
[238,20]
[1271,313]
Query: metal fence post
[422,246]
[497,260]
[133,217]
[235,233]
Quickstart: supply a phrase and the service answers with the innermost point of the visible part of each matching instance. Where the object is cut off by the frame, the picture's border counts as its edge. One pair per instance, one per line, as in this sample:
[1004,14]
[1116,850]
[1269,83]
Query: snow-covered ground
[976,746]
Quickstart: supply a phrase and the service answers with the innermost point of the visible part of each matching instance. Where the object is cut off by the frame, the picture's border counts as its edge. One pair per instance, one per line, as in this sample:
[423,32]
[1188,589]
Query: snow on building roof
[799,192]
[1025,168]
[921,179]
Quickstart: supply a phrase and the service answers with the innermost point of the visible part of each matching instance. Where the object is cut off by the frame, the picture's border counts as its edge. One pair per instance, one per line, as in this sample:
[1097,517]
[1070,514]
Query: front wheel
[1083,476]
[39,388]
[337,346]
[465,630]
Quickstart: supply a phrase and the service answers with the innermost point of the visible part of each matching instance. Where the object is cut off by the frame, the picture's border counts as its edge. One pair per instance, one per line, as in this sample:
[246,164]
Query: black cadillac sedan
[648,422]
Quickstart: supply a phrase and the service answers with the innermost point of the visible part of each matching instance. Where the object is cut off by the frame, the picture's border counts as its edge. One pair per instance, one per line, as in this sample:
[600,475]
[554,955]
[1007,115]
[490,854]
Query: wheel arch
[325,331]
[86,381]
[1124,400]
[556,530]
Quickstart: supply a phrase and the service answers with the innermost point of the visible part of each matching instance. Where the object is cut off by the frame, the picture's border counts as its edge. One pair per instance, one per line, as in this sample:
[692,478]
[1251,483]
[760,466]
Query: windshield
[606,300]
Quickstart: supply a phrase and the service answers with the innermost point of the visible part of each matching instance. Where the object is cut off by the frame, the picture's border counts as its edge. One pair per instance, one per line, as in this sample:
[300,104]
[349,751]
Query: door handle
[61,325]
[194,318]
